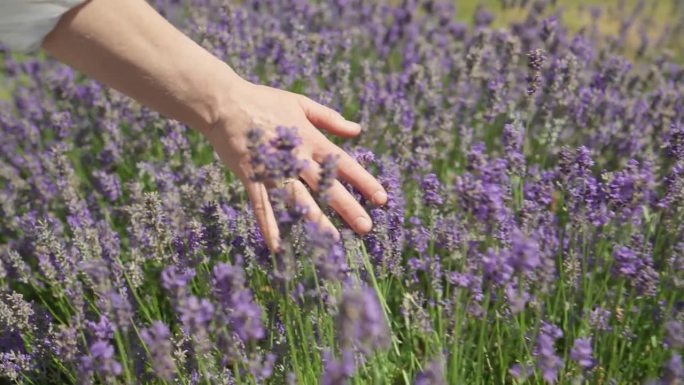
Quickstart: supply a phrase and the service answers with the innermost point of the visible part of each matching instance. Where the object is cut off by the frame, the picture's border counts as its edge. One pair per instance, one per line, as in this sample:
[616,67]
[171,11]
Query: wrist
[226,91]
[220,84]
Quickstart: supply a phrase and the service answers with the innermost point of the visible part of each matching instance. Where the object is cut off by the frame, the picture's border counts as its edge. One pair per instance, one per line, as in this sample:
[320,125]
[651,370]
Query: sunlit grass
[655,18]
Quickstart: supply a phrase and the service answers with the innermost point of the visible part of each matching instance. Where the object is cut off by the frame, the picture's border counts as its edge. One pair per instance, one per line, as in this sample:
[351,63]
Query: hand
[249,106]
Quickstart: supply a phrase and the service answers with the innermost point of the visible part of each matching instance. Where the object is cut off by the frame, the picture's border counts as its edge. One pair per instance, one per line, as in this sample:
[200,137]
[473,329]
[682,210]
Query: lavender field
[534,231]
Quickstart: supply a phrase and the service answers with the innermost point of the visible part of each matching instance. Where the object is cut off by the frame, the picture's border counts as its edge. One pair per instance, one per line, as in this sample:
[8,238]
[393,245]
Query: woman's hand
[251,106]
[129,46]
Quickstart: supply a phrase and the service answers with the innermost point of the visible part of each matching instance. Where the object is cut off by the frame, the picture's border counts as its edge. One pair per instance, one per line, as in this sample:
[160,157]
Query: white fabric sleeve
[25,23]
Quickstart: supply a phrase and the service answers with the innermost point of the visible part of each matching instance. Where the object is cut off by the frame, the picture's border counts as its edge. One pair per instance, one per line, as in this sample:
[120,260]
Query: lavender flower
[524,255]
[276,159]
[433,374]
[548,361]
[637,268]
[196,315]
[673,370]
[536,60]
[432,190]
[102,330]
[101,360]
[674,335]
[108,184]
[361,321]
[337,371]
[240,311]
[581,353]
[327,254]
[157,338]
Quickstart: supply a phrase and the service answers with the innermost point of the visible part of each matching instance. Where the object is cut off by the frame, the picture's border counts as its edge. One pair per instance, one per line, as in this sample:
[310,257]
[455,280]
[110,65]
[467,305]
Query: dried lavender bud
[15,312]
[548,29]
[13,365]
[535,61]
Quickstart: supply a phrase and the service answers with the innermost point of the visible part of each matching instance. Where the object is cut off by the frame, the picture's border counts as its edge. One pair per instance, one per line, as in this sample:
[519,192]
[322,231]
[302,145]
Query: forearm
[127,45]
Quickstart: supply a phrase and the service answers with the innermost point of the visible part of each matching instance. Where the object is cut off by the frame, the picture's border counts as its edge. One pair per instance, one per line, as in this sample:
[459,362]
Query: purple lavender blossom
[327,254]
[433,374]
[361,321]
[238,306]
[524,254]
[328,176]
[108,184]
[176,280]
[673,370]
[102,330]
[674,335]
[275,160]
[101,360]
[432,190]
[581,353]
[337,371]
[157,338]
[636,267]
[196,314]
[548,362]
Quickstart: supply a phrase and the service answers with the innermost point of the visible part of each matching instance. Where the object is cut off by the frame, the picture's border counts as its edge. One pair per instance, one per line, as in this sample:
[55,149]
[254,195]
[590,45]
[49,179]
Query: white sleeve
[24,23]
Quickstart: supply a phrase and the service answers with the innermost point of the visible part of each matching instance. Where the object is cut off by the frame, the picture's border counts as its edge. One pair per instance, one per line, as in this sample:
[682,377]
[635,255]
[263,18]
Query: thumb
[328,119]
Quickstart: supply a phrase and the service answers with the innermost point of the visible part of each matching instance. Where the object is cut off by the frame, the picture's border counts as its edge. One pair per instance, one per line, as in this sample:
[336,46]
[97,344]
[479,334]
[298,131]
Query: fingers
[341,201]
[351,171]
[264,213]
[328,119]
[299,195]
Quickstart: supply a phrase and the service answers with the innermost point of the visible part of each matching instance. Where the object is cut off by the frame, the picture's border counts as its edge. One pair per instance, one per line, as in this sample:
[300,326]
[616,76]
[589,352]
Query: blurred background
[643,21]
[653,28]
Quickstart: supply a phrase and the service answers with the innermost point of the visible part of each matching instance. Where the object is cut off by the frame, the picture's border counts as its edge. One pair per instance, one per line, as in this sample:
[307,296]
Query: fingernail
[275,244]
[379,197]
[351,126]
[362,224]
